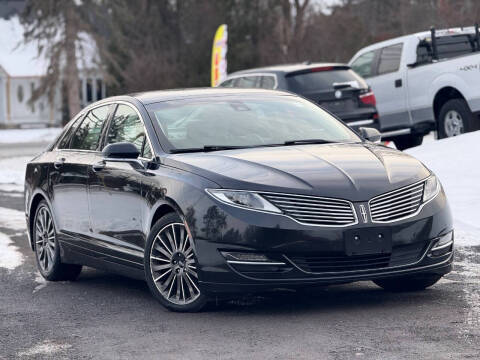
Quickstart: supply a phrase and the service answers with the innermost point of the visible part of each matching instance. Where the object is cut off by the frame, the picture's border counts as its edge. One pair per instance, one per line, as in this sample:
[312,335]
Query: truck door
[389,84]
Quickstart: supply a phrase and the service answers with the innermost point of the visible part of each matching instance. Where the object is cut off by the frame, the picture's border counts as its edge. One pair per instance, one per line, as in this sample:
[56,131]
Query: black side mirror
[370,134]
[121,150]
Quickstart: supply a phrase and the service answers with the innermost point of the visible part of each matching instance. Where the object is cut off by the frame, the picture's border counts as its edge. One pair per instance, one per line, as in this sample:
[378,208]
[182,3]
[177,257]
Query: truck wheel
[455,118]
[408,141]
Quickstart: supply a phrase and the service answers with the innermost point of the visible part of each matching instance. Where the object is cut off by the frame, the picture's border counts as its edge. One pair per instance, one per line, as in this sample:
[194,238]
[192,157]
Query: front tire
[47,249]
[455,118]
[171,266]
[408,283]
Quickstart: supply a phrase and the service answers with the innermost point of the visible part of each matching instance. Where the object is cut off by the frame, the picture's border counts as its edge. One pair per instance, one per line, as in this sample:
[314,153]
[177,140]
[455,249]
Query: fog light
[249,258]
[443,245]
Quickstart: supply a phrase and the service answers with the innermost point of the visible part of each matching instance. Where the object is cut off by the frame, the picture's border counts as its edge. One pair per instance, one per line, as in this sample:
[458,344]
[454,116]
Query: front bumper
[303,255]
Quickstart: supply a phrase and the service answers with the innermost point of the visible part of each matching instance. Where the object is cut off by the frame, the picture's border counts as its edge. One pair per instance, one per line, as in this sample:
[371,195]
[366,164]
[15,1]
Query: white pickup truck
[425,81]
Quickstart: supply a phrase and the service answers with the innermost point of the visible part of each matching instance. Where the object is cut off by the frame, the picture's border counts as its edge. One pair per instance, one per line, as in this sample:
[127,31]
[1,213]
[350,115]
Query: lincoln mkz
[212,193]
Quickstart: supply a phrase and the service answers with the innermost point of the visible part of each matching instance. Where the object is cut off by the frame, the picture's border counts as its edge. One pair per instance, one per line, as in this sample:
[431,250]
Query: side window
[363,65]
[126,126]
[65,141]
[87,135]
[267,82]
[390,59]
[227,83]
[247,82]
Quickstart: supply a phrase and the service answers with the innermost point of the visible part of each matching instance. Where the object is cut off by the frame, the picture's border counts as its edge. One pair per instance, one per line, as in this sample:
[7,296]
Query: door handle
[398,83]
[99,166]
[58,163]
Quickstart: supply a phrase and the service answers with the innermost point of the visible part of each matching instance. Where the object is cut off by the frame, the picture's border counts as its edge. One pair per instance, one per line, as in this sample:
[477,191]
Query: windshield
[245,122]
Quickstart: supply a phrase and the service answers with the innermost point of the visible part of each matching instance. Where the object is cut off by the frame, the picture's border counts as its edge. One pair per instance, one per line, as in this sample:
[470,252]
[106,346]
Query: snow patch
[47,347]
[21,136]
[41,282]
[10,256]
[13,171]
[455,162]
[13,219]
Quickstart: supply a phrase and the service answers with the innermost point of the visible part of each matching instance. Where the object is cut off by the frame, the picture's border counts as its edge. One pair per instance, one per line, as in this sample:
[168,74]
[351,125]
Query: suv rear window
[322,80]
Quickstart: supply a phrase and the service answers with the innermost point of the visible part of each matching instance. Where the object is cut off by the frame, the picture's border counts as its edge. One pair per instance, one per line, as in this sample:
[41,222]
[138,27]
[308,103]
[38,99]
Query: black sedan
[208,193]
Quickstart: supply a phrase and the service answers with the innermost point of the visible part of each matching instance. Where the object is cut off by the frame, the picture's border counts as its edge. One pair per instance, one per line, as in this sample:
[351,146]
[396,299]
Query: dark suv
[336,87]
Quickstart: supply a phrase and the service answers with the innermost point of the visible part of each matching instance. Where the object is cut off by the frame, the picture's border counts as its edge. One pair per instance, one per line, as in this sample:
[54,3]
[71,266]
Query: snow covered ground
[456,163]
[16,136]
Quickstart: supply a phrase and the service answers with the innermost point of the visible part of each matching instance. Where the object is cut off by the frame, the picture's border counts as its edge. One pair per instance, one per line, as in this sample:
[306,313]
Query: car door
[115,189]
[69,175]
[388,83]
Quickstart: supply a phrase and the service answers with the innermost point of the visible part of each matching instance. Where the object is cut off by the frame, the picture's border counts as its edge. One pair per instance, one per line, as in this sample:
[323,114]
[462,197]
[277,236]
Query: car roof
[286,68]
[150,97]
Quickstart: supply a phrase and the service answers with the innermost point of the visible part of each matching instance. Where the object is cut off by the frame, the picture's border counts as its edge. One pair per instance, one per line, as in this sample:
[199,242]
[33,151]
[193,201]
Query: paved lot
[110,317]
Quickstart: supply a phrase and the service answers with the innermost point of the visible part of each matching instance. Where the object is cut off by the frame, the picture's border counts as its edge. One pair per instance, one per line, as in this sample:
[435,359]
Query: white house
[21,72]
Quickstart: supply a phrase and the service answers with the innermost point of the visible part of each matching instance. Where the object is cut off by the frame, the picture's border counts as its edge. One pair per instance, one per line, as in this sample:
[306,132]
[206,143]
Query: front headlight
[432,188]
[244,199]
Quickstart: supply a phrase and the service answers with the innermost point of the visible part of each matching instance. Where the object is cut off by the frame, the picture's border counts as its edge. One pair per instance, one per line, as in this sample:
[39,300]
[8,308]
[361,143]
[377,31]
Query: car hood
[356,171]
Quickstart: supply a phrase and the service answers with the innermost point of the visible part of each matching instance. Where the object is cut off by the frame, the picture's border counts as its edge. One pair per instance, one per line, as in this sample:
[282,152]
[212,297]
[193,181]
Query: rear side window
[390,59]
[267,82]
[364,64]
[323,80]
[126,126]
[247,82]
[65,141]
[87,135]
[227,83]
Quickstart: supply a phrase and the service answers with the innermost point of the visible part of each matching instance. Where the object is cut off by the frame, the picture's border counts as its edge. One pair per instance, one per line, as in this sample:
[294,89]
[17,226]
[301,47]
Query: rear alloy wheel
[171,266]
[408,283]
[47,251]
[455,118]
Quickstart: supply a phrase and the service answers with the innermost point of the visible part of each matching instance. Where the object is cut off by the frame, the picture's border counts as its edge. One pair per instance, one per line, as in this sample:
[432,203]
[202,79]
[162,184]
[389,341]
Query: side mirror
[121,150]
[370,134]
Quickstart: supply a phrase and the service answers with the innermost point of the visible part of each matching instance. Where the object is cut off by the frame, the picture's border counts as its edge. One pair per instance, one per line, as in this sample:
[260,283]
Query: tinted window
[247,82]
[227,83]
[267,82]
[390,59]
[65,141]
[323,80]
[363,66]
[87,135]
[245,121]
[126,126]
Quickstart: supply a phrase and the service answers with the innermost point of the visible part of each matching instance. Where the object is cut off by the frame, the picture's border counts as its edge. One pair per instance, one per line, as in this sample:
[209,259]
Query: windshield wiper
[308,141]
[207,148]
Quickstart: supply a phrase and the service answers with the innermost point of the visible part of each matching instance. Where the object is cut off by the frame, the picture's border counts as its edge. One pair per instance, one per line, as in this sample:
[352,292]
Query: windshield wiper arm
[308,141]
[207,148]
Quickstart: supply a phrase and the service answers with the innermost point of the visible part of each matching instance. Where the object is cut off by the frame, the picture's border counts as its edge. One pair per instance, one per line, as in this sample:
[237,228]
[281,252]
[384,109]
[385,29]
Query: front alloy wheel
[171,266]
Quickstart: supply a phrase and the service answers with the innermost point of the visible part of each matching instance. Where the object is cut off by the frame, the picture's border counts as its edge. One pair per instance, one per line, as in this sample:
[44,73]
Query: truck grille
[314,210]
[396,204]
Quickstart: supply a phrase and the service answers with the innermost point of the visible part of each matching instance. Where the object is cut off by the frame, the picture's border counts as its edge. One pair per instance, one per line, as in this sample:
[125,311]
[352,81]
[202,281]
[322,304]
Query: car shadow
[334,298]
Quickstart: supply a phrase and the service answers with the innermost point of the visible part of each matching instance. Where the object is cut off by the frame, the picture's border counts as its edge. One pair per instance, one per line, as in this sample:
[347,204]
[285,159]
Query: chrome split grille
[314,210]
[397,204]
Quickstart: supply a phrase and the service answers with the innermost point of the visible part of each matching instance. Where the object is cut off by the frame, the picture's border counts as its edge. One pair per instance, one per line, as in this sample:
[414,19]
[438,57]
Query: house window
[20,93]
[89,90]
[99,89]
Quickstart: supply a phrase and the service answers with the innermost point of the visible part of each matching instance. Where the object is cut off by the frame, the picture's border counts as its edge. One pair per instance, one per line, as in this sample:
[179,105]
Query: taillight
[368,98]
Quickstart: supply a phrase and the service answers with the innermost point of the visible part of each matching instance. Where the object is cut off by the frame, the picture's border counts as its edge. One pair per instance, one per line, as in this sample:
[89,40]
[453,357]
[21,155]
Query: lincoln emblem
[363,211]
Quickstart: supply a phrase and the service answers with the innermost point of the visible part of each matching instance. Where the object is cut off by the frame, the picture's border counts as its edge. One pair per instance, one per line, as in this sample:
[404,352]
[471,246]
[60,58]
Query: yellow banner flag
[219,55]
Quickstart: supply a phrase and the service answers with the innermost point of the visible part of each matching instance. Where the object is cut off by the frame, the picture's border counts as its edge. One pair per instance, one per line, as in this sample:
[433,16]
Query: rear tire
[408,141]
[47,249]
[455,118]
[408,283]
[171,266]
